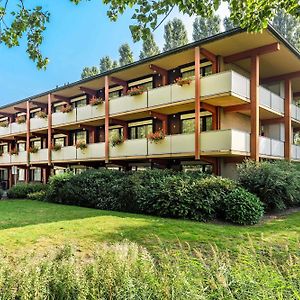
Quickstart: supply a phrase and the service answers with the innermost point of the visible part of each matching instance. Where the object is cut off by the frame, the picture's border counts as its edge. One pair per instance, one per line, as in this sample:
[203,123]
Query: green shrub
[1,193]
[275,183]
[243,208]
[21,190]
[39,196]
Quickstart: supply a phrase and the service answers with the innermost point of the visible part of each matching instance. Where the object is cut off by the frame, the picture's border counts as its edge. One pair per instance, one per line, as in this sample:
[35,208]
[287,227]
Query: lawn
[36,226]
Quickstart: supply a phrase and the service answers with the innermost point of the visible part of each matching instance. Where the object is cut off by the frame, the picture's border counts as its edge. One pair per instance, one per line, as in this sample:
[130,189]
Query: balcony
[127,103]
[40,157]
[129,148]
[296,152]
[227,141]
[93,151]
[64,154]
[5,130]
[5,158]
[271,147]
[38,123]
[90,112]
[60,118]
[270,100]
[20,158]
[295,112]
[17,128]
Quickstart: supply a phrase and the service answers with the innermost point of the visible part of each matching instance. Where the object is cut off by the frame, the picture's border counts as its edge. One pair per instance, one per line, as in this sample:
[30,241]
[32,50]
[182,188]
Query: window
[115,132]
[36,143]
[21,174]
[59,141]
[114,94]
[188,122]
[4,148]
[57,108]
[147,83]
[79,103]
[36,174]
[140,130]
[205,70]
[79,136]
[21,147]
[34,113]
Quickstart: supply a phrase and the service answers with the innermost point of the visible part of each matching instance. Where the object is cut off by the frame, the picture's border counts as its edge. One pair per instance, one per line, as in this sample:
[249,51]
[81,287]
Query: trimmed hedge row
[157,192]
[21,190]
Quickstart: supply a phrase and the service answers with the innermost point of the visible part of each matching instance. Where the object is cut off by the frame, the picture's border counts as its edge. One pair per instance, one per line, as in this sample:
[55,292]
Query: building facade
[208,105]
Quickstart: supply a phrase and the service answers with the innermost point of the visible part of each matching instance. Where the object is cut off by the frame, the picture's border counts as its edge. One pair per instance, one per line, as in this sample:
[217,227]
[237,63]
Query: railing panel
[5,130]
[40,156]
[90,112]
[159,96]
[21,157]
[128,148]
[181,93]
[37,123]
[277,103]
[240,84]
[5,158]
[264,146]
[264,97]
[182,143]
[127,103]
[93,151]
[60,118]
[18,128]
[277,148]
[161,147]
[65,153]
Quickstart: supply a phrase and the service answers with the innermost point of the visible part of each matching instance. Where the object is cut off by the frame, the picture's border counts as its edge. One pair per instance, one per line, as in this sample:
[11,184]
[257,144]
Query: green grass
[33,226]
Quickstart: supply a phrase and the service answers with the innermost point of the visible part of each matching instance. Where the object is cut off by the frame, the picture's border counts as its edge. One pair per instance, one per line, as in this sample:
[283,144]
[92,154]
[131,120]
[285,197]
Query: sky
[77,36]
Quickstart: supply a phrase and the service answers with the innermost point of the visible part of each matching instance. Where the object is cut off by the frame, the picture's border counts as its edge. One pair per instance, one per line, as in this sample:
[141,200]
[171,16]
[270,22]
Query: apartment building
[208,105]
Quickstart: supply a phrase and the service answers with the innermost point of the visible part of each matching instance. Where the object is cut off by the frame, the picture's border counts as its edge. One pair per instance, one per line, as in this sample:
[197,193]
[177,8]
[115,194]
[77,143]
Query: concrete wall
[235,120]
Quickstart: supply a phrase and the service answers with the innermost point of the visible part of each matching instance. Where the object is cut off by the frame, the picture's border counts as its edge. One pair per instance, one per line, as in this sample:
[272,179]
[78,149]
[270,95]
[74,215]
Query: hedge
[21,190]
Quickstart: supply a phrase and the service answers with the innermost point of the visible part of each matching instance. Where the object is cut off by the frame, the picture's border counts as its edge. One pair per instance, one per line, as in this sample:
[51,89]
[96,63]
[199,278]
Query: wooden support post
[27,174]
[106,93]
[197,103]
[28,131]
[49,128]
[287,119]
[254,98]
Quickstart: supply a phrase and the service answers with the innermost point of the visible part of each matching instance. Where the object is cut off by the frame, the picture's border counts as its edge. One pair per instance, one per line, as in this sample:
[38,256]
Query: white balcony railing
[295,112]
[271,100]
[60,118]
[17,128]
[129,148]
[5,130]
[127,103]
[64,154]
[271,147]
[5,158]
[20,158]
[90,112]
[38,123]
[39,157]
[93,151]
[296,152]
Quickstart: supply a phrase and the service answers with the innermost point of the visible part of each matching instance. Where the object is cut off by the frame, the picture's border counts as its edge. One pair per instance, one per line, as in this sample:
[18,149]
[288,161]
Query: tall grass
[128,271]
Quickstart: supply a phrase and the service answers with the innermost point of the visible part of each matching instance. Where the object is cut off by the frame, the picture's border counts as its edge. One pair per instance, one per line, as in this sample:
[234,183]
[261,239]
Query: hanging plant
[14,151]
[21,119]
[156,137]
[66,108]
[41,114]
[33,149]
[116,140]
[96,101]
[56,147]
[81,145]
[4,124]
[135,91]
[183,81]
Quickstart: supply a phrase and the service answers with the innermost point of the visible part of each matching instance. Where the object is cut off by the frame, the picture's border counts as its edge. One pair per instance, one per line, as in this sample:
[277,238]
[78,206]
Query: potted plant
[135,91]
[21,119]
[41,114]
[56,147]
[96,101]
[66,108]
[155,137]
[81,145]
[4,124]
[116,139]
[183,81]
[14,151]
[33,149]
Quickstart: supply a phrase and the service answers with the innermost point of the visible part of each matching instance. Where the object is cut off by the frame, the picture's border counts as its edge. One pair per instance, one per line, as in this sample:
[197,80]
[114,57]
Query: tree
[229,24]
[205,27]
[288,26]
[89,71]
[175,34]
[126,55]
[150,48]
[19,21]
[106,63]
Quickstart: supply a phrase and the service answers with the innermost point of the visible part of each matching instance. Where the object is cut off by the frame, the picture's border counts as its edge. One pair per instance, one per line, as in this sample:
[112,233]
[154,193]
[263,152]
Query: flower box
[81,145]
[66,108]
[56,147]
[96,101]
[135,91]
[41,114]
[116,140]
[34,149]
[156,137]
[21,119]
[183,81]
[4,124]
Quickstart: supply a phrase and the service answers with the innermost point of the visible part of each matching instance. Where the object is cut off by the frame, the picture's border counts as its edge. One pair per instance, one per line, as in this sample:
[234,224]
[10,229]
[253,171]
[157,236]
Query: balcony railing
[60,118]
[271,147]
[38,123]
[20,158]
[295,112]
[90,112]
[17,128]
[271,100]
[5,158]
[39,157]
[296,152]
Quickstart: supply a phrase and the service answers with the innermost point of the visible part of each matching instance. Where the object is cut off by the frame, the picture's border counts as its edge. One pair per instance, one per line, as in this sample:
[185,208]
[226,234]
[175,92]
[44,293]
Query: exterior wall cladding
[212,103]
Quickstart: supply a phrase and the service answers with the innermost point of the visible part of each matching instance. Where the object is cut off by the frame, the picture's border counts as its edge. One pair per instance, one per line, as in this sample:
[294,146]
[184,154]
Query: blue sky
[76,36]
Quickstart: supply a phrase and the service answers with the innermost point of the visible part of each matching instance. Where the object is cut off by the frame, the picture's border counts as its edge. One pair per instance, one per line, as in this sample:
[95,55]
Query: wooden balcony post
[28,132]
[197,103]
[49,129]
[254,107]
[106,96]
[287,119]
